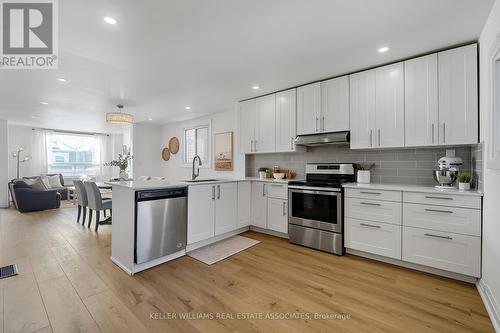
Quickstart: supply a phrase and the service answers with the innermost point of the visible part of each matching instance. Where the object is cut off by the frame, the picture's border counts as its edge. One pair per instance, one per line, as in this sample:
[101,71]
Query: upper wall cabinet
[377,108]
[421,101]
[308,108]
[247,119]
[286,120]
[265,124]
[323,106]
[458,96]
[335,105]
[362,104]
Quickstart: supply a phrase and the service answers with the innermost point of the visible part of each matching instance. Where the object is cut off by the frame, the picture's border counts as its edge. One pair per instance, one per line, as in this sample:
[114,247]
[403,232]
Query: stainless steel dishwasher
[160,223]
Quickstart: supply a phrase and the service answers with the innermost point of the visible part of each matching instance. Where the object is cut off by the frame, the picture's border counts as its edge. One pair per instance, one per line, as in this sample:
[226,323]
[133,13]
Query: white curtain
[109,146]
[41,143]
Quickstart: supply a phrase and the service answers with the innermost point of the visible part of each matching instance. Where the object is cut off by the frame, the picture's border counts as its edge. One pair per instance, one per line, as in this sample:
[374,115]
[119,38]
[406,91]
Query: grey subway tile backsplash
[400,166]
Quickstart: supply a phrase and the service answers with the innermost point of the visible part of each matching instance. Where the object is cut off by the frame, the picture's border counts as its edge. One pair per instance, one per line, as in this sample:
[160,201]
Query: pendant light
[119,117]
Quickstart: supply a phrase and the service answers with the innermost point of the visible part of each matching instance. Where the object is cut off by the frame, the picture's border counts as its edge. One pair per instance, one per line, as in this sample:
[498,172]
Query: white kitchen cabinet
[335,105]
[244,203]
[201,213]
[226,207]
[373,237]
[421,101]
[443,250]
[277,215]
[308,108]
[362,109]
[458,96]
[389,106]
[286,120]
[265,124]
[259,204]
[247,126]
[373,210]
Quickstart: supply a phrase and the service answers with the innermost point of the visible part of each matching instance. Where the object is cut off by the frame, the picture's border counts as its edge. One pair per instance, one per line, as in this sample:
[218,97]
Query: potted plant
[122,163]
[364,174]
[464,181]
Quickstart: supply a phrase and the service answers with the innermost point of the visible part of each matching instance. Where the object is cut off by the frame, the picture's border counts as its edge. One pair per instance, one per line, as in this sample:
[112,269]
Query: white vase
[364,176]
[464,186]
[123,175]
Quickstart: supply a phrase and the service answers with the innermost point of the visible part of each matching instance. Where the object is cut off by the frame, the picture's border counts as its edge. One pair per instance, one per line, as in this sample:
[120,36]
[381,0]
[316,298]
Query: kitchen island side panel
[122,242]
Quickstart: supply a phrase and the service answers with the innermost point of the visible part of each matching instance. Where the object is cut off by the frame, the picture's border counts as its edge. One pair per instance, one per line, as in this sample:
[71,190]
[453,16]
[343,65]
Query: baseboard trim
[489,302]
[417,267]
[197,245]
[268,232]
[119,264]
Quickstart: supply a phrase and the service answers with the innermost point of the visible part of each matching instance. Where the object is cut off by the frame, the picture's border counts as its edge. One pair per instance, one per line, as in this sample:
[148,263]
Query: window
[73,155]
[197,142]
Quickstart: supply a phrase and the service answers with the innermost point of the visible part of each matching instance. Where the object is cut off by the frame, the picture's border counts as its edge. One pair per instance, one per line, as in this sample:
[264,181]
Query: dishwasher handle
[169,193]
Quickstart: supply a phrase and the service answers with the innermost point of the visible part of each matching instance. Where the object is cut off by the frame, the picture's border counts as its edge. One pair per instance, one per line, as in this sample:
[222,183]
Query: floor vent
[8,271]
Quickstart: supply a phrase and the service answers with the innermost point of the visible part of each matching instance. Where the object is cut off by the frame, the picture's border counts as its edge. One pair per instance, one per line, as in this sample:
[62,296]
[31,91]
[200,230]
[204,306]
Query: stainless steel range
[316,207]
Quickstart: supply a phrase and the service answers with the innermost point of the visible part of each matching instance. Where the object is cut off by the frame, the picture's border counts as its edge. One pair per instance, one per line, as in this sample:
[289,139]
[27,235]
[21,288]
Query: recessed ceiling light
[187,108]
[44,103]
[150,119]
[109,20]
[34,117]
[255,87]
[383,49]
[61,79]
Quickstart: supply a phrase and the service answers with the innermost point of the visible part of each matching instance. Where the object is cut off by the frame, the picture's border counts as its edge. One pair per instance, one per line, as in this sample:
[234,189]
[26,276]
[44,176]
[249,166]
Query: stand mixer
[447,172]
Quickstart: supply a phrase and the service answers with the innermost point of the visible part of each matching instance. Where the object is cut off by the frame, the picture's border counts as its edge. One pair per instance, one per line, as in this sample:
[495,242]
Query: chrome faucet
[194,175]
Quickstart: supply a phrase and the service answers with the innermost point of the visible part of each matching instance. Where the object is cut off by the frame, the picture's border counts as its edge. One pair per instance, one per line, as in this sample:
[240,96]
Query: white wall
[146,149]
[491,222]
[220,122]
[4,156]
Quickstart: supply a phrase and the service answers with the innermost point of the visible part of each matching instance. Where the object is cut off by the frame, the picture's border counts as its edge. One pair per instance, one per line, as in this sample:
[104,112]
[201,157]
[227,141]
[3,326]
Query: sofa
[29,198]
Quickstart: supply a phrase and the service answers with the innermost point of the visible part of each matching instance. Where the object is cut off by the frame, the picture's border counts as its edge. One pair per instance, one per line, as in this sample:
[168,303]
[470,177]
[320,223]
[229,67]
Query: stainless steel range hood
[312,140]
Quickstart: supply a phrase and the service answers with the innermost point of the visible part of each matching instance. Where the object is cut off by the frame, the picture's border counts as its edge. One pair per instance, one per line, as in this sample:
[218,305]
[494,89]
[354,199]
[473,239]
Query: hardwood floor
[68,284]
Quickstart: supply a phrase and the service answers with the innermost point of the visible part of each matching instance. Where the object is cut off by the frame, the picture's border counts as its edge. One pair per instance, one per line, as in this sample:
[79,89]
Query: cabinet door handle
[440,198]
[218,192]
[255,145]
[317,119]
[276,185]
[444,132]
[437,236]
[284,208]
[376,193]
[263,190]
[432,133]
[379,137]
[370,225]
[438,211]
[251,145]
[291,143]
[213,192]
[323,123]
[371,138]
[370,204]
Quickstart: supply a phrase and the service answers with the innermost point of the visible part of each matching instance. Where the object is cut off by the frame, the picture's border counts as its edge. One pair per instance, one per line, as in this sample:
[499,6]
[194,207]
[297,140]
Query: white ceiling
[164,55]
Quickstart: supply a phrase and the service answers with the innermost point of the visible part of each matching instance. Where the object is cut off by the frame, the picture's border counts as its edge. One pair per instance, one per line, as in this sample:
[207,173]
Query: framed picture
[223,151]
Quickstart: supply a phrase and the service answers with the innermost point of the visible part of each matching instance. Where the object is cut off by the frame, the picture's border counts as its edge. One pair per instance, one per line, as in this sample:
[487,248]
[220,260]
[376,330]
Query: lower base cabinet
[277,215]
[259,204]
[443,250]
[374,237]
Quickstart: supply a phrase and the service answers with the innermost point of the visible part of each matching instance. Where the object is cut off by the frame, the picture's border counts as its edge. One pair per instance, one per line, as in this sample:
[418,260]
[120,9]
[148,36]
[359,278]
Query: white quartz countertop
[412,188]
[159,184]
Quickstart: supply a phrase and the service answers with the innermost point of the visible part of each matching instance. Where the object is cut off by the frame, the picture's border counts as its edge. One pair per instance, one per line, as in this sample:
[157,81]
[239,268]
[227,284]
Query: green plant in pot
[464,179]
[122,162]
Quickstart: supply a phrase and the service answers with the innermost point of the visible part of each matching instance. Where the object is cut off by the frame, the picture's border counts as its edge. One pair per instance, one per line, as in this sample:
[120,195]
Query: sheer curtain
[41,142]
[108,149]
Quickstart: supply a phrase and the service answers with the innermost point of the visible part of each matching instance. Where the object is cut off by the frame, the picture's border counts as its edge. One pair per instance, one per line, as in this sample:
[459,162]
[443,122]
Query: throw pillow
[29,181]
[45,181]
[54,181]
[38,185]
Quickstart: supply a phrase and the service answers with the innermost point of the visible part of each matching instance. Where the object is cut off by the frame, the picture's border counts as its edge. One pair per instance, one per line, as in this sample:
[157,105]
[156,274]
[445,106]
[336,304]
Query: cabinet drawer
[373,194]
[373,237]
[278,191]
[447,251]
[373,210]
[448,219]
[443,199]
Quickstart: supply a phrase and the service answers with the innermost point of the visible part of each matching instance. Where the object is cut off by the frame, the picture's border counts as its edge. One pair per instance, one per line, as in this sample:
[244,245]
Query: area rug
[213,253]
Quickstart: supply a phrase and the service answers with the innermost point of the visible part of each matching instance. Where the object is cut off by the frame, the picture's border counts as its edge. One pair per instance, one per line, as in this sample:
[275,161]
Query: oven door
[317,209]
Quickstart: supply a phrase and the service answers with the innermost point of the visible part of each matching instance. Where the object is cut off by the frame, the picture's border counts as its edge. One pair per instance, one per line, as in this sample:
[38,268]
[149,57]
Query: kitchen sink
[199,180]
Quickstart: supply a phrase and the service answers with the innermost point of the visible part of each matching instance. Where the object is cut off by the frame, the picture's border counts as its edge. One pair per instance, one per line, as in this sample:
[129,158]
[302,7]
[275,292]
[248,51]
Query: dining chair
[81,200]
[97,203]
